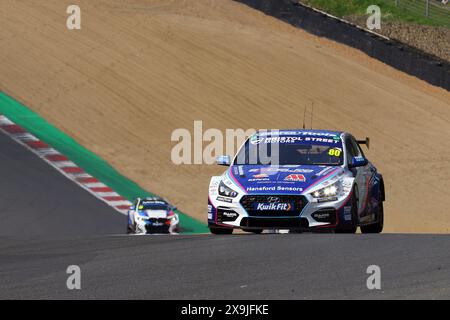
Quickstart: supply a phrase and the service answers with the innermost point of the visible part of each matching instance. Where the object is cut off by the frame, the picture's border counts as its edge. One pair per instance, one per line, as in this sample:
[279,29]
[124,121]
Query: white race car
[297,179]
[152,215]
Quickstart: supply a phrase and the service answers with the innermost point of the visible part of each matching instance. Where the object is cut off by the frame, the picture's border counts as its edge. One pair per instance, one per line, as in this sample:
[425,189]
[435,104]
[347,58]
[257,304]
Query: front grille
[249,201]
[157,220]
[287,223]
[158,229]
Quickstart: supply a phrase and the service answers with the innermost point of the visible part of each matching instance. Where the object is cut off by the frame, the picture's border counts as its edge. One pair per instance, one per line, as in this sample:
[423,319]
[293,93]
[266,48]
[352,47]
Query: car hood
[154,214]
[257,179]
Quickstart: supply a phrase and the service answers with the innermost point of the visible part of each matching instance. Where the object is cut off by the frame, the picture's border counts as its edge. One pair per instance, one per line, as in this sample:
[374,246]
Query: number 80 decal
[335,152]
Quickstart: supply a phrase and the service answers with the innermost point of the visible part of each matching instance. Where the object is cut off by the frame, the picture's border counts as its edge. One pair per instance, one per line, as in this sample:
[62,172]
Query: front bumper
[150,228]
[157,226]
[307,214]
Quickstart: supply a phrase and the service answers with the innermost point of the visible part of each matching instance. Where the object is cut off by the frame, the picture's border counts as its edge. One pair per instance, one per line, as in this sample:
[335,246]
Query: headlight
[226,191]
[329,193]
[139,218]
[171,215]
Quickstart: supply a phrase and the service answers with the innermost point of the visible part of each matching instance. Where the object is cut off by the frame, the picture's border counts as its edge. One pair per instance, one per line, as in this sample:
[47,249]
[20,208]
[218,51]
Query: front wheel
[353,226]
[220,230]
[378,226]
[130,229]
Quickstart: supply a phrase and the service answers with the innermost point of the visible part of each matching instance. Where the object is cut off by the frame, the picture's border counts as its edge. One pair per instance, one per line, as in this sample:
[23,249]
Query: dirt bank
[139,69]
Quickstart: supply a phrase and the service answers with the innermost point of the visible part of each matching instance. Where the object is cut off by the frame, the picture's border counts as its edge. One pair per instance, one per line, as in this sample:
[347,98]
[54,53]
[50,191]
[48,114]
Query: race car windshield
[296,151]
[152,206]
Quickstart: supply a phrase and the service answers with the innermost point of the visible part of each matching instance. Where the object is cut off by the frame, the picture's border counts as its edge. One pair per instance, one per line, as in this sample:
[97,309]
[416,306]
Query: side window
[357,148]
[350,150]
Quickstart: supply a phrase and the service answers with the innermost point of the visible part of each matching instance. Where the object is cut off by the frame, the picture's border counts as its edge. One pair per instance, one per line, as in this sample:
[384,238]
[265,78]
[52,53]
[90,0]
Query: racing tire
[255,231]
[378,226]
[130,229]
[353,227]
[220,230]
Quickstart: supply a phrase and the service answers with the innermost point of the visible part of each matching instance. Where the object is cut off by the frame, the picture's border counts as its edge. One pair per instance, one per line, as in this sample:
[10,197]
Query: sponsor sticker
[224,199]
[281,140]
[321,215]
[295,177]
[157,224]
[294,137]
[147,202]
[286,170]
[297,133]
[325,171]
[280,206]
[294,189]
[274,188]
[348,213]
[256,140]
[260,176]
[327,199]
[213,187]
[230,214]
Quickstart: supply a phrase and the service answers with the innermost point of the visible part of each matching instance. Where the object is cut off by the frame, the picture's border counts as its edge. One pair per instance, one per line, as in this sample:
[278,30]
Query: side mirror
[223,160]
[358,162]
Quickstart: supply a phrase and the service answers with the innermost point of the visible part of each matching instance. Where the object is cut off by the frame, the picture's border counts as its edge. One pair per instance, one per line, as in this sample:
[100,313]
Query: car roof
[299,132]
[154,199]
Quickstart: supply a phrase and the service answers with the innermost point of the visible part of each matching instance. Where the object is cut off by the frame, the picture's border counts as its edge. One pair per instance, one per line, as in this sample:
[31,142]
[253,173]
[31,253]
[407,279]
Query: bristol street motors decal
[326,138]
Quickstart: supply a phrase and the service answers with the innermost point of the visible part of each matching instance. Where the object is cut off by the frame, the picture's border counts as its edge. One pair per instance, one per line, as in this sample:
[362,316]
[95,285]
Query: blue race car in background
[299,180]
[152,215]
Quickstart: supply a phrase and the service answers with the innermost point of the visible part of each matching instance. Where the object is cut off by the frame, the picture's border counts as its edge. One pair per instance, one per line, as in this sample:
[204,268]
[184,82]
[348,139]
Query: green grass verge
[407,11]
[84,158]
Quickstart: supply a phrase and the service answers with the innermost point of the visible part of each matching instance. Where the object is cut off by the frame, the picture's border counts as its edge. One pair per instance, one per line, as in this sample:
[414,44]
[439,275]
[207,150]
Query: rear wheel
[220,230]
[378,226]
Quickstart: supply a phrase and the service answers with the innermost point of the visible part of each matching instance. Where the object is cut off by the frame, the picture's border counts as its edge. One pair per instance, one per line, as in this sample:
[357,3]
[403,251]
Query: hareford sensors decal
[281,179]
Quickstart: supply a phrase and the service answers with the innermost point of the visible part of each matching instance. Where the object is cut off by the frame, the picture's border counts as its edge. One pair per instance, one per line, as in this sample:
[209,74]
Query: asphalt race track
[49,223]
[36,200]
[267,266]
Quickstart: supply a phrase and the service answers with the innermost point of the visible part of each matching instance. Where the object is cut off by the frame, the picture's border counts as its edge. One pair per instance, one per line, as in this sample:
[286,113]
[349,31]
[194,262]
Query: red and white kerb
[61,163]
